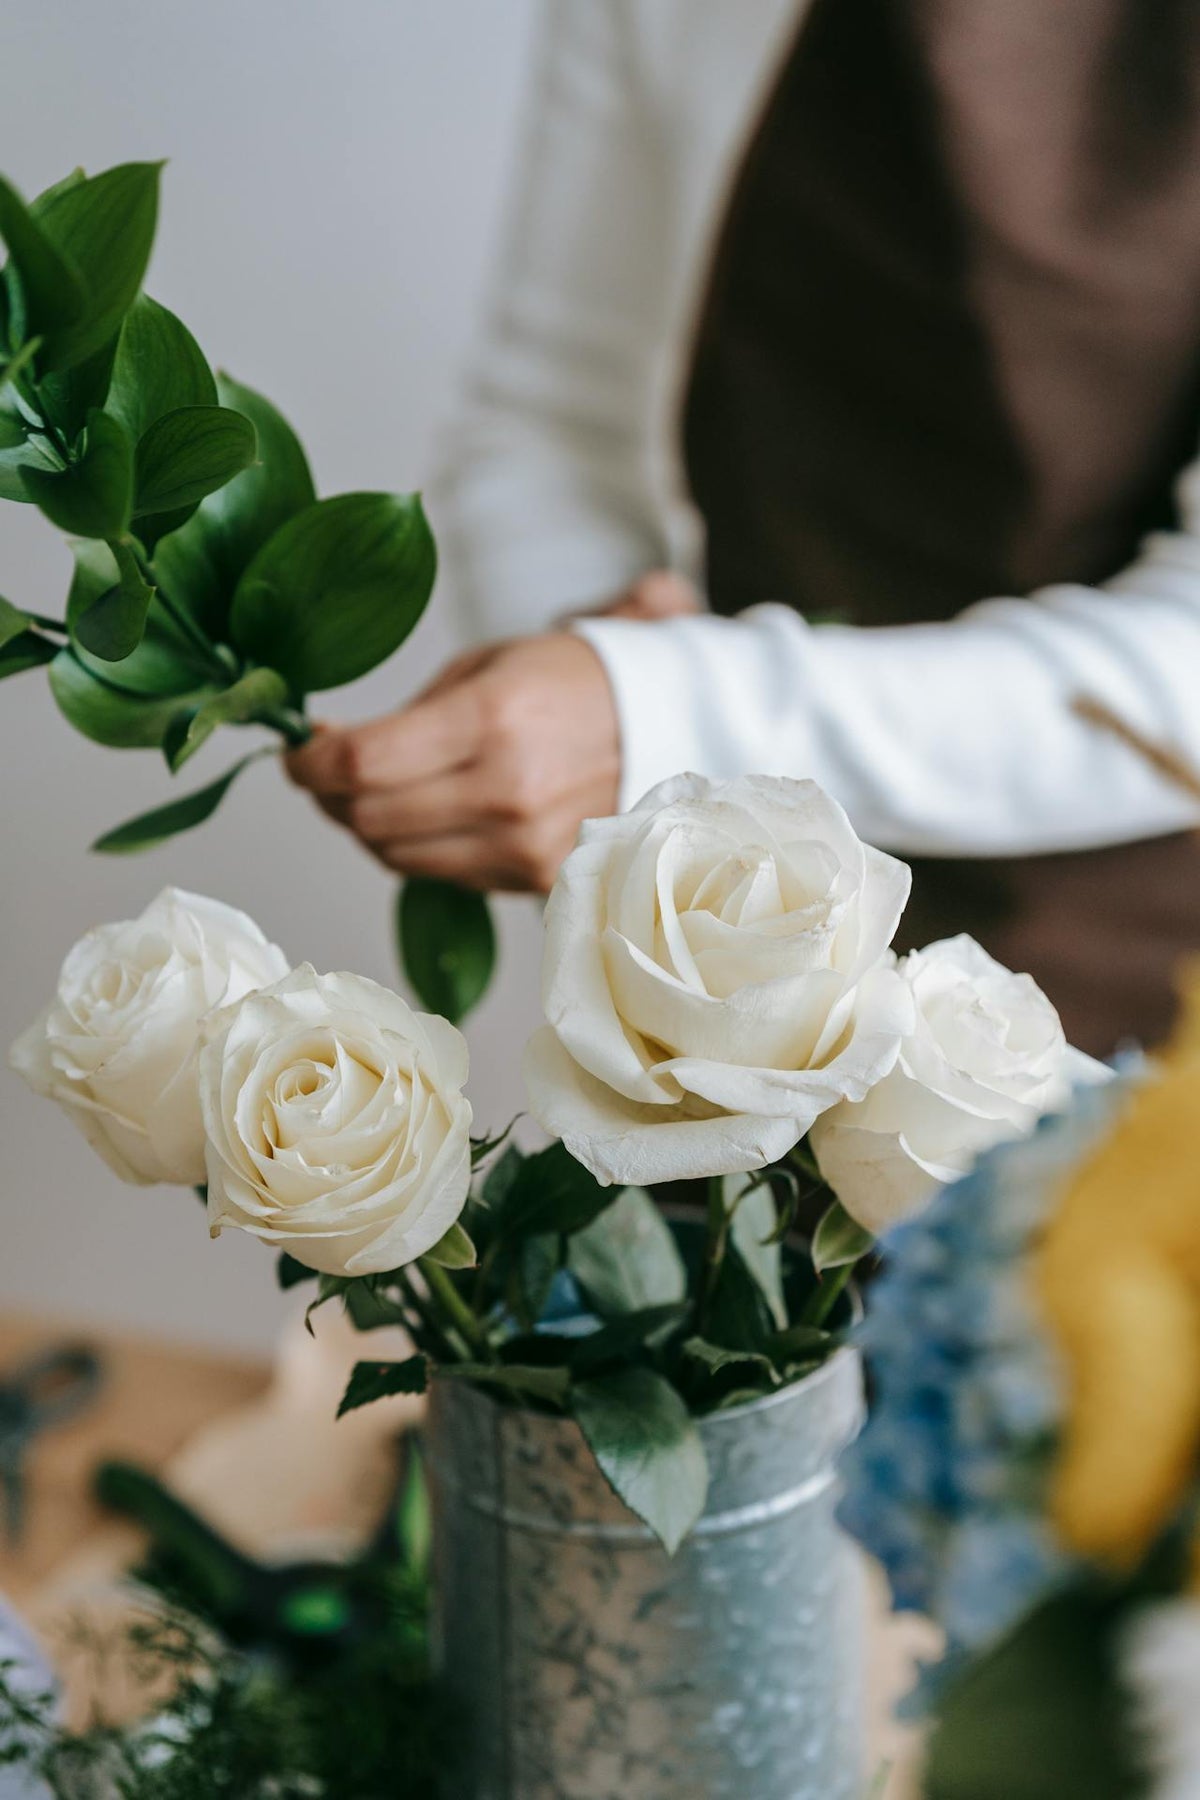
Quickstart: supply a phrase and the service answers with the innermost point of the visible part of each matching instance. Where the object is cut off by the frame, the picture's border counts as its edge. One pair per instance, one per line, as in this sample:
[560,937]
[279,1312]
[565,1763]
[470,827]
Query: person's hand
[660,594]
[486,777]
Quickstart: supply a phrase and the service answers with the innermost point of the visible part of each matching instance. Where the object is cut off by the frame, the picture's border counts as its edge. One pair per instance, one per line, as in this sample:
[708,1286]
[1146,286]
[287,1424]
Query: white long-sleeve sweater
[561,486]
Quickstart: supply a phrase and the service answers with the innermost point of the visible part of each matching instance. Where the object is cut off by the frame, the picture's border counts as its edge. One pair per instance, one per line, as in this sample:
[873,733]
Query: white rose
[985,1059]
[337,1126]
[712,979]
[117,1046]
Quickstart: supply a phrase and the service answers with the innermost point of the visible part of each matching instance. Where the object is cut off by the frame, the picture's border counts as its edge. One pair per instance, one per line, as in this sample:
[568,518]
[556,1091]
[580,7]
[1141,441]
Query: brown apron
[951,350]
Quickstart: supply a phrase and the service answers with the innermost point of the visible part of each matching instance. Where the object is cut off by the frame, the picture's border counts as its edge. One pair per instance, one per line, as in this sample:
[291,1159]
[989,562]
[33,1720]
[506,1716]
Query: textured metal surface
[587,1665]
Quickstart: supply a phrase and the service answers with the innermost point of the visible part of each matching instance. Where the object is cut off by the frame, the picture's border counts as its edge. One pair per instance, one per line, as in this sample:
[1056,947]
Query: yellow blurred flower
[1117,1278]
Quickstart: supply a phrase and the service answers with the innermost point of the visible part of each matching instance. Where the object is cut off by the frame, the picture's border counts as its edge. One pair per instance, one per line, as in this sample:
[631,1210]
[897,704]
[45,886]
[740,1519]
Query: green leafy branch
[212,587]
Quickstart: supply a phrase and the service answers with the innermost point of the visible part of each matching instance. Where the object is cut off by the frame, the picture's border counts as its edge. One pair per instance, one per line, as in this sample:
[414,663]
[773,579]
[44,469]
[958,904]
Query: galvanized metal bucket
[582,1663]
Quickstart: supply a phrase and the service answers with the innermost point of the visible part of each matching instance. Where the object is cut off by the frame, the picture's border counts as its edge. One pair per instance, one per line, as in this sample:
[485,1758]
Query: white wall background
[335,179]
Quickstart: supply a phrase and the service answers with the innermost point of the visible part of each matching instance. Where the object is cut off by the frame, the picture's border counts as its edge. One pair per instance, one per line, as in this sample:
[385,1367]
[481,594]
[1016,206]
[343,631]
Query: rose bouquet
[1030,1471]
[722,1001]
[211,587]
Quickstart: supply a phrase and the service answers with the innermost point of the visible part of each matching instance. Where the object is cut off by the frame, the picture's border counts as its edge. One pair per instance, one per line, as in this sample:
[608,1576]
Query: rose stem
[450,1346]
[825,1295]
[443,1290]
[714,1249]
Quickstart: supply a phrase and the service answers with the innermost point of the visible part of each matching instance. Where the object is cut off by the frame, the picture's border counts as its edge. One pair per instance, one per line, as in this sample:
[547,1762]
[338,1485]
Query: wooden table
[257,1448]
[154,1397]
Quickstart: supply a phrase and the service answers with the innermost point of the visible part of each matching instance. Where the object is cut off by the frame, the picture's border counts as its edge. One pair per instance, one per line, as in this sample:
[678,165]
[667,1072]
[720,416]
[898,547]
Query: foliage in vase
[211,587]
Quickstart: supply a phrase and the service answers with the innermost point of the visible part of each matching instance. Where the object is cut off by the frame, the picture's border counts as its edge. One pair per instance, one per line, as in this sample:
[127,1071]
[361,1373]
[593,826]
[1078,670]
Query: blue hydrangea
[945,1485]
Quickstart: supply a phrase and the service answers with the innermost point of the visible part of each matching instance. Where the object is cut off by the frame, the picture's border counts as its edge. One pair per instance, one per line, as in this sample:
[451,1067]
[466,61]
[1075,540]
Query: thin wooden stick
[1168,762]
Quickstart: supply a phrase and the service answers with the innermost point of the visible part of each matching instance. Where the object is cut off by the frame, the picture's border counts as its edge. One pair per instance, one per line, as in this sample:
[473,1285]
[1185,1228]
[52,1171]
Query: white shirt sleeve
[545,501]
[939,739]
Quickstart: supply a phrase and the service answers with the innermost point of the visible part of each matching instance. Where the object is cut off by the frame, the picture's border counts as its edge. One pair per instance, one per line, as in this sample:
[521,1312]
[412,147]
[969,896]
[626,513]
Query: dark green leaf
[235,705]
[1044,1716]
[289,1273]
[498,1182]
[336,589]
[52,293]
[838,1241]
[543,1384]
[108,713]
[187,454]
[615,1341]
[66,396]
[24,652]
[799,1343]
[532,1266]
[370,1306]
[19,451]
[628,1259]
[159,368]
[453,1251]
[753,1231]
[105,227]
[132,705]
[648,1448]
[447,944]
[92,498]
[379,1380]
[168,821]
[113,626]
[739,1317]
[200,565]
[551,1192]
[715,1358]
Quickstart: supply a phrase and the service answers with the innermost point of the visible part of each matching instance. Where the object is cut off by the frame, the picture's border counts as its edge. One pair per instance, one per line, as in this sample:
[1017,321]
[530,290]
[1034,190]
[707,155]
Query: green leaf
[544,1384]
[24,652]
[336,589]
[752,1230]
[532,1265]
[648,1448]
[109,713]
[627,1258]
[51,289]
[18,453]
[551,1192]
[1043,1716]
[715,1358]
[92,498]
[238,704]
[188,453]
[105,228]
[379,1380]
[152,828]
[200,565]
[633,1331]
[65,397]
[454,1250]
[289,1273]
[12,622]
[838,1240]
[132,706]
[159,367]
[113,626]
[739,1316]
[447,944]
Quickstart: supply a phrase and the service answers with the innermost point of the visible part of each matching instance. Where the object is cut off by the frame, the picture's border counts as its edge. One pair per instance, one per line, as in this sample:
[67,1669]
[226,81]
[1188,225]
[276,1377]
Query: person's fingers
[428,738]
[469,663]
[662,594]
[443,806]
